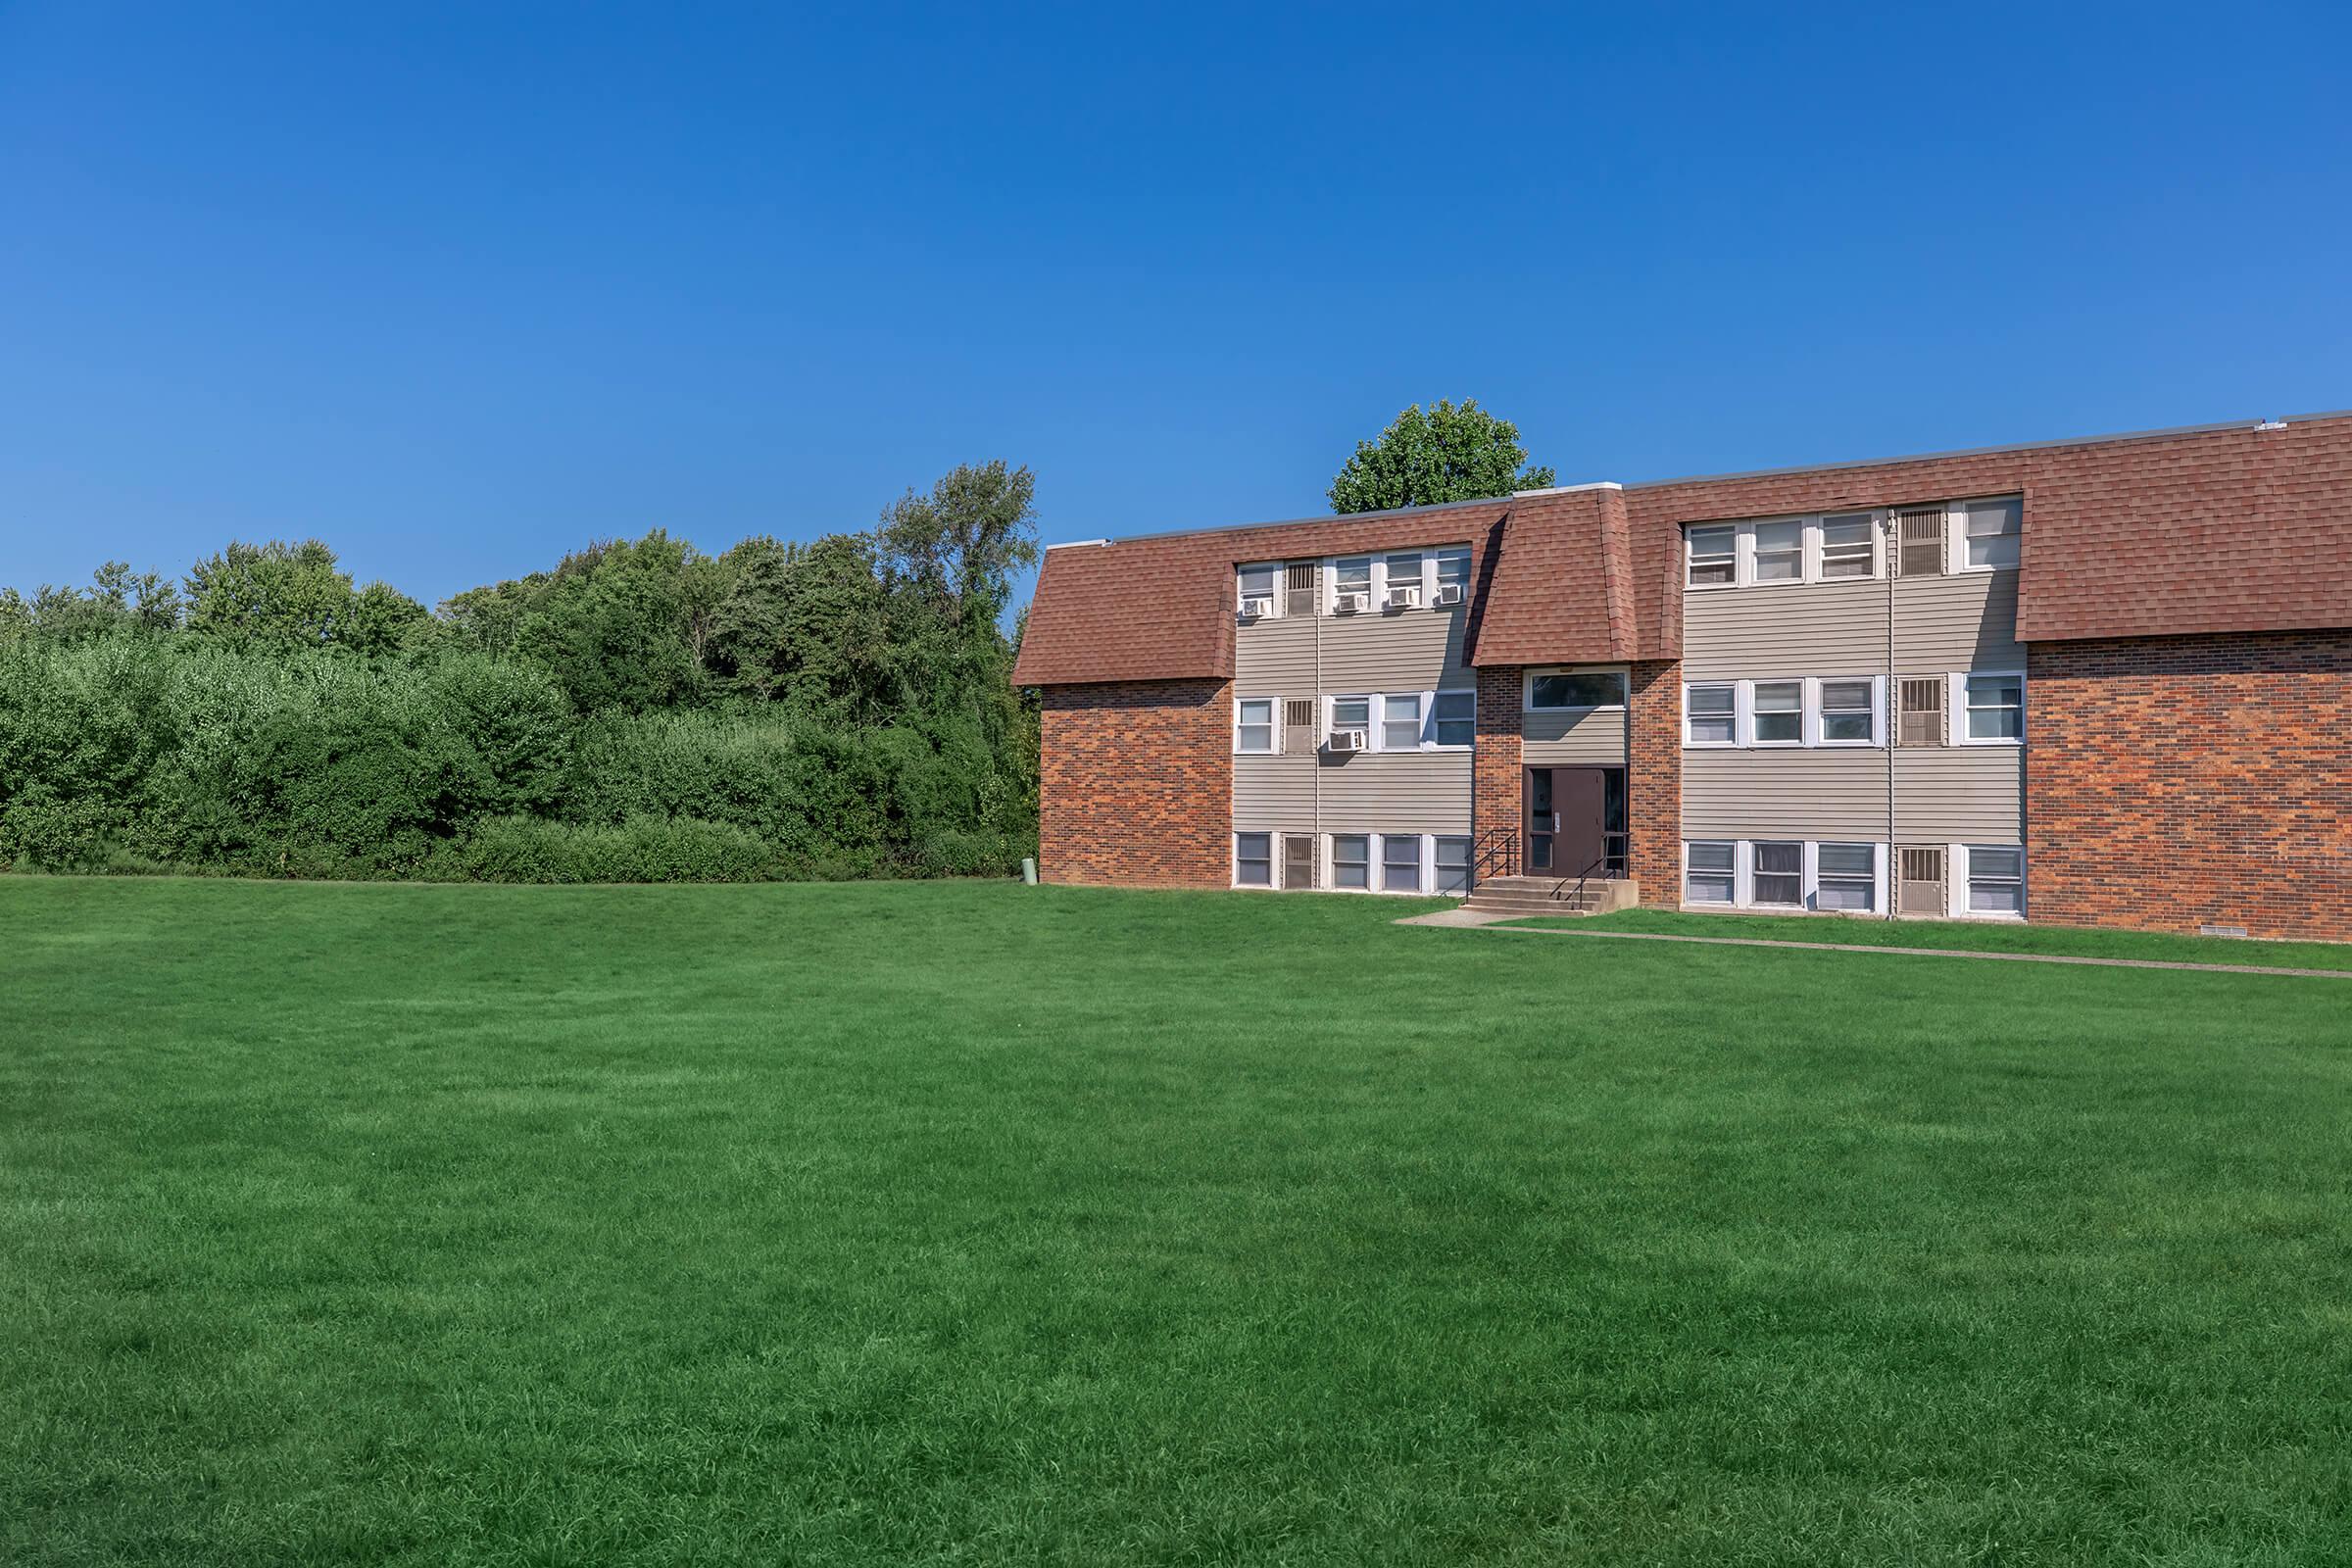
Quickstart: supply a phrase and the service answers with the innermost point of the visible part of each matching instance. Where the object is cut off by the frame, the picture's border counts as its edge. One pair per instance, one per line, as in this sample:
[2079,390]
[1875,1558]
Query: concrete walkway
[1473,918]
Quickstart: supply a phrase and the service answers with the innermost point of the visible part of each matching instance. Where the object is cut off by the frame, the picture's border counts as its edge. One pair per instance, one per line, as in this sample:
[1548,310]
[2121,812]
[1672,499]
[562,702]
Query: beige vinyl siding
[1788,629]
[1407,650]
[1957,792]
[1593,735]
[1275,658]
[1964,621]
[1404,791]
[1274,793]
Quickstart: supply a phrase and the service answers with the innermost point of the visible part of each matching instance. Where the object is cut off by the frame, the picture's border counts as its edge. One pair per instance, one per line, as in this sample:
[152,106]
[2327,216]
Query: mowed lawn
[963,1223]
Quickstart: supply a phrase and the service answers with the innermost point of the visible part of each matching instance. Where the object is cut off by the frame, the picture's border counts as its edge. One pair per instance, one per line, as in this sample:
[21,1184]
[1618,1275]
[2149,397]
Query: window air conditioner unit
[1350,604]
[1405,598]
[1255,607]
[1346,740]
[1450,593]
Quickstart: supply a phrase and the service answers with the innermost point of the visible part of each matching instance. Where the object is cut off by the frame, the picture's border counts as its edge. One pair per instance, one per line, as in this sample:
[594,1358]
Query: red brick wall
[1496,759]
[2173,782]
[1137,783]
[1653,780]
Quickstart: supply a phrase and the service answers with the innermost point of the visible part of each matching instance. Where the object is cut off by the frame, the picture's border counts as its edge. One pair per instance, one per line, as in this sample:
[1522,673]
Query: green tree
[1446,454]
[295,595]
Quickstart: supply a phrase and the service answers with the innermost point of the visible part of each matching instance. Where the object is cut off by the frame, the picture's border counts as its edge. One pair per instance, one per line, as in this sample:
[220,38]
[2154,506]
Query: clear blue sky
[457,289]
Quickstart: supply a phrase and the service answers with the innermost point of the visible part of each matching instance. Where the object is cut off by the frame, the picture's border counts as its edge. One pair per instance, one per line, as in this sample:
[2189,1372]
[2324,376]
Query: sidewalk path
[1472,919]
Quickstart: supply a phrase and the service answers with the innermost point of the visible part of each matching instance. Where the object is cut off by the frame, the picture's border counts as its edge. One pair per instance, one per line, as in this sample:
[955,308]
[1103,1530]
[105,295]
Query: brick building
[2090,682]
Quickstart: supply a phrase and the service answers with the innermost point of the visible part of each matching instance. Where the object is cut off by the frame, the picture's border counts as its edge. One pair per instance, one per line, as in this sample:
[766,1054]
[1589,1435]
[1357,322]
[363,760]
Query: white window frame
[1273,726]
[1527,687]
[1956,707]
[1804,707]
[1816,720]
[1273,881]
[1436,575]
[1962,857]
[1429,718]
[1273,597]
[1732,744]
[1331,582]
[1732,903]
[1331,862]
[1808,571]
[1809,728]
[1808,874]
[1421,859]
[1689,556]
[1371,726]
[1877,877]
[1429,877]
[1955,533]
[1384,579]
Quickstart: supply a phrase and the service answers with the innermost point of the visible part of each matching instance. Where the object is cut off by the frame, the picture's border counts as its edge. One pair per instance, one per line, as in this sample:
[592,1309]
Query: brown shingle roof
[2227,528]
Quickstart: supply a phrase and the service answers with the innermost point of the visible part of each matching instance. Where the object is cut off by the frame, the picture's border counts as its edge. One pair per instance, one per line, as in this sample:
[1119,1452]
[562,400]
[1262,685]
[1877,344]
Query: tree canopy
[1444,454]
[641,710]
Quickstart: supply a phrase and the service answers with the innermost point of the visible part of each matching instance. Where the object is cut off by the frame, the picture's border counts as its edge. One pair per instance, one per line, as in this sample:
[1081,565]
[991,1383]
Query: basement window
[1351,860]
[1453,865]
[1997,879]
[1779,878]
[1711,873]
[1254,859]
[1400,863]
[1845,876]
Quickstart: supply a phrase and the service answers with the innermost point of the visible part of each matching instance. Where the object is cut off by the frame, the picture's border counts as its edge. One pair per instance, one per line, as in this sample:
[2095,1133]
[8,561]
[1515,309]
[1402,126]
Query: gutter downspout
[1890,703]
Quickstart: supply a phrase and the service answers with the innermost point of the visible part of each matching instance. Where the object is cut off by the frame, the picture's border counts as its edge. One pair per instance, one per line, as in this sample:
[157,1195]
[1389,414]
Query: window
[1711,874]
[1710,715]
[1599,688]
[1400,863]
[1453,865]
[1845,876]
[1778,708]
[1253,727]
[1254,859]
[1354,576]
[1351,860]
[1454,571]
[1353,712]
[1779,551]
[1780,874]
[1922,711]
[1714,556]
[1995,709]
[1850,545]
[1849,713]
[1991,530]
[1257,590]
[1400,723]
[1996,880]
[1453,717]
[1403,572]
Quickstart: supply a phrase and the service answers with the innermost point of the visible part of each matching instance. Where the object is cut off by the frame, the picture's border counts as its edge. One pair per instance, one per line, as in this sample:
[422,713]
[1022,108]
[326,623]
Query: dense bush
[643,714]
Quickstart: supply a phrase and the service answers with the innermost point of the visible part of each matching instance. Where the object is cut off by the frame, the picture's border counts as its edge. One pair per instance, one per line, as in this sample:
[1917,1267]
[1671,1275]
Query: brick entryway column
[1494,761]
[1653,779]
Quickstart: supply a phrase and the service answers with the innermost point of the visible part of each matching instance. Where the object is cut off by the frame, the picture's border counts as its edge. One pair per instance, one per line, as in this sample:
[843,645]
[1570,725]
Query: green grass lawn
[1978,936]
[979,1224]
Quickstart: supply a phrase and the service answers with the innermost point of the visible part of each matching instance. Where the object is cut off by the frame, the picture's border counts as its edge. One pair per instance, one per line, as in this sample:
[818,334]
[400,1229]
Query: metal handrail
[1609,854]
[1496,847]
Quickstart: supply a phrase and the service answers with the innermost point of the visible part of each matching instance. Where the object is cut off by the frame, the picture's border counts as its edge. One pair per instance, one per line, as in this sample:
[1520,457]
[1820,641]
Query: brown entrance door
[1566,821]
